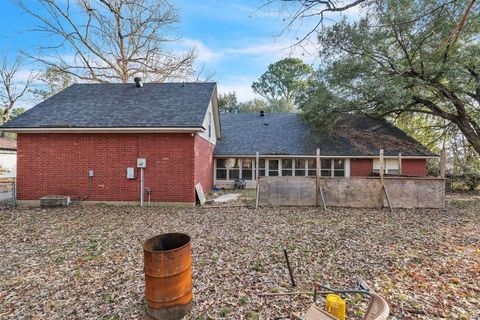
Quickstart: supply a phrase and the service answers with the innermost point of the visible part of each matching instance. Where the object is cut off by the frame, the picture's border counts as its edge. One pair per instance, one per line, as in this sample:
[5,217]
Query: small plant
[77,272]
[223,312]
[258,266]
[58,260]
[274,290]
[252,315]
[107,297]
[243,301]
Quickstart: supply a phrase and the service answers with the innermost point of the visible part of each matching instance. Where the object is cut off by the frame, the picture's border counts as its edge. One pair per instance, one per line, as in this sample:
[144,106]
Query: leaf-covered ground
[87,262]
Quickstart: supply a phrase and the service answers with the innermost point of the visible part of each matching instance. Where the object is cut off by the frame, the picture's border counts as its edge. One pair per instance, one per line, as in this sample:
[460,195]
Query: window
[339,168]
[261,168]
[247,169]
[221,169]
[233,166]
[299,167]
[312,167]
[287,167]
[273,167]
[332,168]
[391,166]
[326,168]
[209,124]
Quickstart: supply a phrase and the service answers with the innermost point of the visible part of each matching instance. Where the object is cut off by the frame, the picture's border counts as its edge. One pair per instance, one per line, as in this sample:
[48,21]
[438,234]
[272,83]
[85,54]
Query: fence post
[257,187]
[381,169]
[442,163]
[14,194]
[317,177]
[382,166]
[400,169]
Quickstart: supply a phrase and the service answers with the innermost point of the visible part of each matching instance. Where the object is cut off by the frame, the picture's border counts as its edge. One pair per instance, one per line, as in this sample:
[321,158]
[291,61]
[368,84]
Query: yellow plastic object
[336,306]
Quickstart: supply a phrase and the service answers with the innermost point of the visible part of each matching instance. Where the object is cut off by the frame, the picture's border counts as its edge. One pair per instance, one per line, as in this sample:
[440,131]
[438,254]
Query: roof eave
[106,130]
[252,155]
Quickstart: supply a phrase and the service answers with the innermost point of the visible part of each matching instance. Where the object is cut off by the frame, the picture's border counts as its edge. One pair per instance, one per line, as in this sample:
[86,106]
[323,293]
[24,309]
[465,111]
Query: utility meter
[141,163]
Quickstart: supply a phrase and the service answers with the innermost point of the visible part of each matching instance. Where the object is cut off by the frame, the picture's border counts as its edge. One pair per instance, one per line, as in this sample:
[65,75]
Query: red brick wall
[410,167]
[361,167]
[204,163]
[59,164]
[414,167]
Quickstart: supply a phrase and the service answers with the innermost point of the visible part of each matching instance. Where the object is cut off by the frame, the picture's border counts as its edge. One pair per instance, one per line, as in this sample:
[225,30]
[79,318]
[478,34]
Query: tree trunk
[472,137]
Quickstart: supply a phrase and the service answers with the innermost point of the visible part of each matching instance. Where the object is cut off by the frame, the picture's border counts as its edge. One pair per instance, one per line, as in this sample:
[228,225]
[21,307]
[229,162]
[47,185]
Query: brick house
[85,141]
[287,147]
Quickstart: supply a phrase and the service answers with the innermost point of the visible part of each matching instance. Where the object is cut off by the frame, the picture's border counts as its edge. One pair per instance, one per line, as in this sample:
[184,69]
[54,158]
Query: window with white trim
[300,165]
[247,169]
[261,168]
[287,167]
[332,168]
[326,167]
[209,124]
[390,166]
[273,167]
[312,167]
[221,173]
[339,168]
[235,168]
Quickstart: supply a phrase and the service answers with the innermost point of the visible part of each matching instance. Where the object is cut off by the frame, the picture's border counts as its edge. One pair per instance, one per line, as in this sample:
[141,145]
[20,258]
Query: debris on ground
[227,198]
[87,262]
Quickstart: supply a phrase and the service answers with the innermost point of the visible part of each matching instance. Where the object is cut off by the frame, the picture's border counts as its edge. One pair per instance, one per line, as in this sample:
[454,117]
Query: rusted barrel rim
[167,235]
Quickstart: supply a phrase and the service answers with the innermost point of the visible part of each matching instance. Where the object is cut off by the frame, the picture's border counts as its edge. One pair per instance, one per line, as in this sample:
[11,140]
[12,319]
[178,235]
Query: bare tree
[51,82]
[13,88]
[298,10]
[111,40]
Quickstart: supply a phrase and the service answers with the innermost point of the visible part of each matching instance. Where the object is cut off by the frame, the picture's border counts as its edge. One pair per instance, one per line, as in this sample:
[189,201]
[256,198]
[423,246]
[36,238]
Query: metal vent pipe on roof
[138,82]
[262,113]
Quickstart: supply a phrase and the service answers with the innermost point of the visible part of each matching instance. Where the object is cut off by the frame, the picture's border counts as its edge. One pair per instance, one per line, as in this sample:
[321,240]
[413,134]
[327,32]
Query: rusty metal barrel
[168,276]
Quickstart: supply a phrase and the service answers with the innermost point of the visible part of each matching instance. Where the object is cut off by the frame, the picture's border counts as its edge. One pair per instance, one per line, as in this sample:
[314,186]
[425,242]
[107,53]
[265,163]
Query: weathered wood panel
[287,191]
[353,193]
[416,192]
[404,192]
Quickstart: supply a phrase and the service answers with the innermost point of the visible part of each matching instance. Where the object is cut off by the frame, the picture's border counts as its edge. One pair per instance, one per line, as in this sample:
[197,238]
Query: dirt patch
[87,262]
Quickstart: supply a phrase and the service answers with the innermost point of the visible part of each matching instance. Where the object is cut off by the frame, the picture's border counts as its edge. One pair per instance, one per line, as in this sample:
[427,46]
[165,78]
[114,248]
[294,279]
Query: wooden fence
[356,192]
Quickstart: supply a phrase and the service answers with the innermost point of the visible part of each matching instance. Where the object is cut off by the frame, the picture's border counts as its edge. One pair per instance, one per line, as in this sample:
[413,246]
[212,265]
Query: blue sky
[234,39]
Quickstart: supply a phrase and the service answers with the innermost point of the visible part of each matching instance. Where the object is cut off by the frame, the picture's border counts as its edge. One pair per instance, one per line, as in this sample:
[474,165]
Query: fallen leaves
[87,262]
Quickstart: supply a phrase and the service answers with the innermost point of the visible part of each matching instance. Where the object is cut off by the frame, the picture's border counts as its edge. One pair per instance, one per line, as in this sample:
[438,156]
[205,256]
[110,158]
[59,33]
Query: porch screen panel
[312,167]
[273,167]
[221,169]
[233,168]
[339,168]
[287,167]
[326,167]
[300,167]
[247,169]
[261,168]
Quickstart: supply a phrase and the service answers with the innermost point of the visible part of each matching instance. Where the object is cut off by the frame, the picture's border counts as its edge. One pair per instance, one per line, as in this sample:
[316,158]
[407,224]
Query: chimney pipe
[138,82]
[262,113]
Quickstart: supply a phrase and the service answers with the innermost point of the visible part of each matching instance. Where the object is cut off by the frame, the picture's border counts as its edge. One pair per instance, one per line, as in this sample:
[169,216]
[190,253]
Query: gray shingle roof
[121,105]
[288,134]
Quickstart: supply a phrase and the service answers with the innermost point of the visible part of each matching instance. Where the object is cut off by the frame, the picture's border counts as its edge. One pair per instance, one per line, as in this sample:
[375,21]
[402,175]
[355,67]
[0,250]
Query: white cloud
[273,51]
[240,85]
[24,75]
[204,53]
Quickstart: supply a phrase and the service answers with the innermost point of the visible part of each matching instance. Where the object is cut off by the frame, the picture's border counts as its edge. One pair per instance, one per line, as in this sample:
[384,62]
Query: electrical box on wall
[141,163]
[130,173]
[90,173]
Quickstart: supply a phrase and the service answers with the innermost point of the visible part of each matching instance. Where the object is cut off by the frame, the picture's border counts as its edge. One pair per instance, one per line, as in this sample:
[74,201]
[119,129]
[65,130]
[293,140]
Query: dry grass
[86,262]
